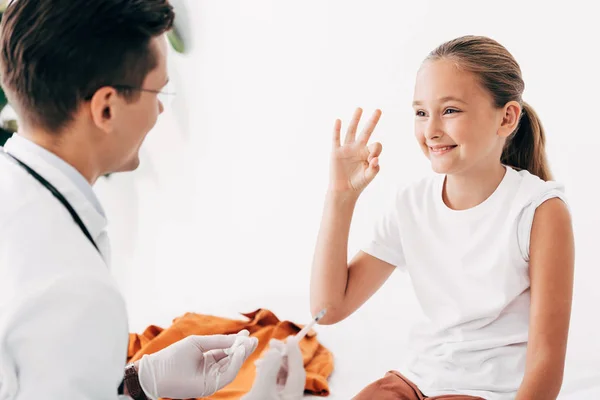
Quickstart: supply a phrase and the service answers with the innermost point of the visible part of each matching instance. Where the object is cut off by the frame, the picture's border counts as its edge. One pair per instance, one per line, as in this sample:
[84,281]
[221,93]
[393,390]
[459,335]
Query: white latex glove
[280,373]
[196,366]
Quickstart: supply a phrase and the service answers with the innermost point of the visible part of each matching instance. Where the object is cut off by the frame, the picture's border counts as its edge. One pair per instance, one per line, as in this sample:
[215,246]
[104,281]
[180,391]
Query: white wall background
[223,214]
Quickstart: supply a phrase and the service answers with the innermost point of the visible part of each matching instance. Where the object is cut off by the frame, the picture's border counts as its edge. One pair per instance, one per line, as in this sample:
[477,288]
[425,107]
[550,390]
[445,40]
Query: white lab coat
[63,322]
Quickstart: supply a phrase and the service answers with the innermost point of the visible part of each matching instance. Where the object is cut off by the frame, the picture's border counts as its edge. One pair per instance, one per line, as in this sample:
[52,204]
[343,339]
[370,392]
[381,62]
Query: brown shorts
[394,386]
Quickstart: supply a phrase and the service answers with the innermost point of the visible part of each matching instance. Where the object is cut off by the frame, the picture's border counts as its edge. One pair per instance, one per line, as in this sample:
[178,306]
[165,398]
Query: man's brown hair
[55,54]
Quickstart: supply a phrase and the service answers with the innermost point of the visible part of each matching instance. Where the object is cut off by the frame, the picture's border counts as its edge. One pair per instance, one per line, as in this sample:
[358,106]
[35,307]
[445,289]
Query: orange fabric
[262,324]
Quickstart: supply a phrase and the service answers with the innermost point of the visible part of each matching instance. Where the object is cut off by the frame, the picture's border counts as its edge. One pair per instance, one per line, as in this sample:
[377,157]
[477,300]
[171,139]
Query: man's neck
[74,152]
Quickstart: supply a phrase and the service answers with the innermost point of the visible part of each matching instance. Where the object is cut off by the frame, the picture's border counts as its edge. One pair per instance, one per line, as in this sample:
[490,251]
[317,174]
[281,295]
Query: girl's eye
[451,111]
[420,113]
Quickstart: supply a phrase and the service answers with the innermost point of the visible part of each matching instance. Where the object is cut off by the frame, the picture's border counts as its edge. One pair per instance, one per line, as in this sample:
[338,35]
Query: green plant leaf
[3,99]
[4,136]
[176,41]
[10,125]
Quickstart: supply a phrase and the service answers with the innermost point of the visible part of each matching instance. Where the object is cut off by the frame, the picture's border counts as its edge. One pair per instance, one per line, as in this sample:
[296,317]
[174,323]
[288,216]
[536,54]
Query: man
[84,77]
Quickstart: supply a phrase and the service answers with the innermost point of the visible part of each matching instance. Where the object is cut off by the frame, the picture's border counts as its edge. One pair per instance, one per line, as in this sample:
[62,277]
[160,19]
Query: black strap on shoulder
[60,198]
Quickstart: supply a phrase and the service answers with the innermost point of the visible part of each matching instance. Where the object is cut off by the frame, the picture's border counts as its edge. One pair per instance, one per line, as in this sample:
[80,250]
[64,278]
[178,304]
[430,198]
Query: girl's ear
[511,114]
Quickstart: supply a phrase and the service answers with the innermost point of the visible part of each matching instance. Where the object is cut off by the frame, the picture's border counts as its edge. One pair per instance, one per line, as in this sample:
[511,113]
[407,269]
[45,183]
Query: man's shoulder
[17,191]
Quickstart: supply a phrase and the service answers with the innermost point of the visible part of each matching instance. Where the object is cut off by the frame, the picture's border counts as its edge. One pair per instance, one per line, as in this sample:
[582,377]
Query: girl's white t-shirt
[470,273]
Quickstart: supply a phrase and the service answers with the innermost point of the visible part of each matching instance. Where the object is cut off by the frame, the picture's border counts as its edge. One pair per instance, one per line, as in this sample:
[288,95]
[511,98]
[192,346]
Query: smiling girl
[487,241]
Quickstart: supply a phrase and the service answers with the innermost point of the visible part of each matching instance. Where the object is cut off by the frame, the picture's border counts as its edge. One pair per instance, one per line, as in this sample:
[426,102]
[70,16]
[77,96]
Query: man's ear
[103,108]
[510,118]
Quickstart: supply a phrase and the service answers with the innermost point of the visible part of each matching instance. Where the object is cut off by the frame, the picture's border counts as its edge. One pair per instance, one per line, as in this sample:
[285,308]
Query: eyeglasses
[165,96]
